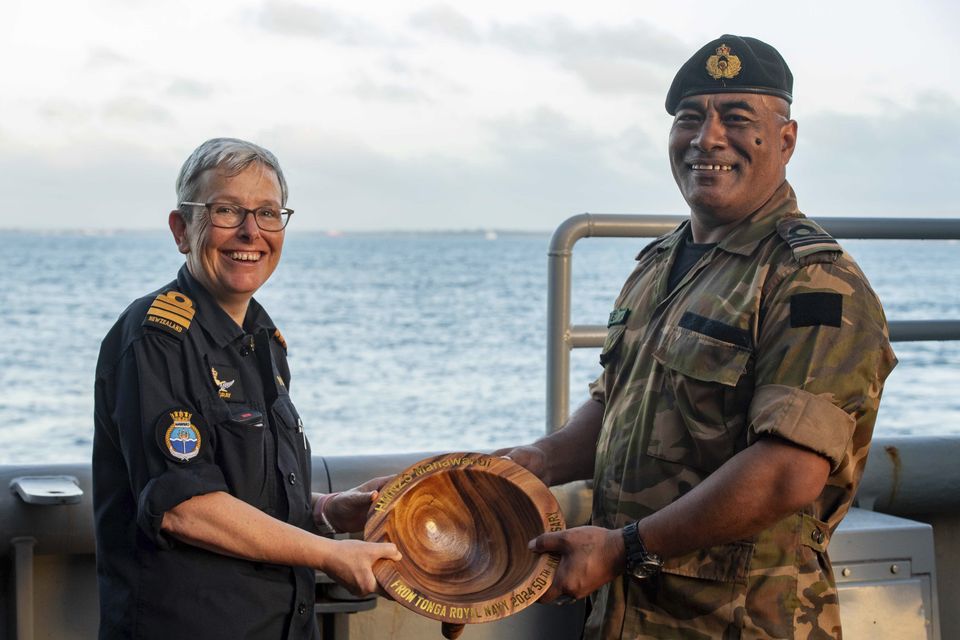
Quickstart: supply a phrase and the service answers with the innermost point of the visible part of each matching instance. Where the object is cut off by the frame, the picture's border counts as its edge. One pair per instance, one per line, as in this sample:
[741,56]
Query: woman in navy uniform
[205,522]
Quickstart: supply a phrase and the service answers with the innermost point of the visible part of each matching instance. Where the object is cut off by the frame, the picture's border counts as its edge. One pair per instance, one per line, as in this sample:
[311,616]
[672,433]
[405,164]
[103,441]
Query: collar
[745,237]
[672,239]
[214,320]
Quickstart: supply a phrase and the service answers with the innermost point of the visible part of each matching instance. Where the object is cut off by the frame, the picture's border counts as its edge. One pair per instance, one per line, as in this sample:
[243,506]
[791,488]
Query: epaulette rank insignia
[171,311]
[806,237]
[279,338]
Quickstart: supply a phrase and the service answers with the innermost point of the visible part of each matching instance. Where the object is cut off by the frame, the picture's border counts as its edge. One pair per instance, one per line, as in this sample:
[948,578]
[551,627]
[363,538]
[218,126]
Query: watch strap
[640,562]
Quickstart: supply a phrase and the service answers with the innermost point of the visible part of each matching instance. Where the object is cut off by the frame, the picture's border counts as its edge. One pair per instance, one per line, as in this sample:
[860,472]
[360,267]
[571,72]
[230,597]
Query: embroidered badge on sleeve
[180,438]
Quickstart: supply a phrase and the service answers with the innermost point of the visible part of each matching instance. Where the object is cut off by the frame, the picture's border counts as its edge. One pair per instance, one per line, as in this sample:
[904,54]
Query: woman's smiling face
[233,263]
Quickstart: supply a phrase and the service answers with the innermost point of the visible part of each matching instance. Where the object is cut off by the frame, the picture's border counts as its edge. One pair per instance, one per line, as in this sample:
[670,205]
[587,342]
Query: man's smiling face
[729,152]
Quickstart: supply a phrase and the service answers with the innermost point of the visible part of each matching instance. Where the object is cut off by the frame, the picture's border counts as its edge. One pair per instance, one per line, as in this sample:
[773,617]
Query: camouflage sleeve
[598,390]
[822,355]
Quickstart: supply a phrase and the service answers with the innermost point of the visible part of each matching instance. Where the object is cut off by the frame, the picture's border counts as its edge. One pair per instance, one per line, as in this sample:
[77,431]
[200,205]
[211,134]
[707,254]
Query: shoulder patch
[179,434]
[821,308]
[170,311]
[279,338]
[806,237]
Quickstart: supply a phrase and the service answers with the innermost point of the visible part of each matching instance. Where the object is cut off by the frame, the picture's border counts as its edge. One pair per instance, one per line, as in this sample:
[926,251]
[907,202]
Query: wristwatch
[641,564]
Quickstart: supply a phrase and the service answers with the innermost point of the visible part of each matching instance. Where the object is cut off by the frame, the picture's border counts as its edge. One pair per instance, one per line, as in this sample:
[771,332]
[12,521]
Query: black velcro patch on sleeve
[816,309]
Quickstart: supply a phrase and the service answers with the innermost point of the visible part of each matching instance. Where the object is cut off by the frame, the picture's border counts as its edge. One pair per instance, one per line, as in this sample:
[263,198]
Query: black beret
[732,64]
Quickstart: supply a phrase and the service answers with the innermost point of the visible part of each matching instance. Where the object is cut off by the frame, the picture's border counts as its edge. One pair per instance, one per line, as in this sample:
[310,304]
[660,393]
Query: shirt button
[292,478]
[817,536]
[302,608]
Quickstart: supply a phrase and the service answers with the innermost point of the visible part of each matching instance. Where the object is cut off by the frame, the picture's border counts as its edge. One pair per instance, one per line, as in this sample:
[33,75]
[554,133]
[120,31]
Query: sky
[424,115]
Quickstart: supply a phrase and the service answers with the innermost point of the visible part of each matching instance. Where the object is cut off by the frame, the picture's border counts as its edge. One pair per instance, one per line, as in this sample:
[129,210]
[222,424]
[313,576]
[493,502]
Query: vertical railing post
[558,349]
[559,277]
[23,585]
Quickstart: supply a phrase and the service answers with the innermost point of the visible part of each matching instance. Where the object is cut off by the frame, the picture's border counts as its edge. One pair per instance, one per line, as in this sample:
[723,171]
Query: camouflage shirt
[775,331]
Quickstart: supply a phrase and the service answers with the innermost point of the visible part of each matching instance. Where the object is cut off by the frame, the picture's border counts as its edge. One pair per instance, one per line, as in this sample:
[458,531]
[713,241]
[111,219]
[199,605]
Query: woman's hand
[351,563]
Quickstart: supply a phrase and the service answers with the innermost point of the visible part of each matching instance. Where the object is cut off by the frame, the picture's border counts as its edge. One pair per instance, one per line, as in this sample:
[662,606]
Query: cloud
[632,58]
[104,58]
[101,185]
[367,89]
[558,36]
[541,168]
[902,162]
[534,170]
[135,110]
[617,76]
[64,112]
[292,18]
[187,88]
[447,21]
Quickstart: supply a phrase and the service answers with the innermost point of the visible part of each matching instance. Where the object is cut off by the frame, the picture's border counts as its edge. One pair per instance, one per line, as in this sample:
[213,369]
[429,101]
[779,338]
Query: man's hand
[566,454]
[347,510]
[351,563]
[530,457]
[590,557]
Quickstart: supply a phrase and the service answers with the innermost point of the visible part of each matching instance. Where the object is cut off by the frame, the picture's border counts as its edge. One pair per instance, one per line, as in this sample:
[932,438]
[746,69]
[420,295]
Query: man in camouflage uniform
[743,368]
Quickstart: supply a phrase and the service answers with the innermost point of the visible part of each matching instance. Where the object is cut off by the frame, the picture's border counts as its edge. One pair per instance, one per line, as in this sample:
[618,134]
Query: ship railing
[563,337]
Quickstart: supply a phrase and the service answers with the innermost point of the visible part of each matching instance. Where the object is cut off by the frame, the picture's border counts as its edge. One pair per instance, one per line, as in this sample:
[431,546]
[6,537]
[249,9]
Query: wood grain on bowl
[462,522]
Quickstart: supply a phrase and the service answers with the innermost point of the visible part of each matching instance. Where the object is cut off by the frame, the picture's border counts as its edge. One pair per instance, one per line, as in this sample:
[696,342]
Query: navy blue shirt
[187,403]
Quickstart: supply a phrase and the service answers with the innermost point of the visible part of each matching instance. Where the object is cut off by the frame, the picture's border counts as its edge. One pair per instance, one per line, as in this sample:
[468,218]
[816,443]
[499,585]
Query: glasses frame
[283,211]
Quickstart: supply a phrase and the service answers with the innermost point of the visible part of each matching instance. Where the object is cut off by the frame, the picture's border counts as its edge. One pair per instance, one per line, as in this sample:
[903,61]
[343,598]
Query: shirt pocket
[241,453]
[292,432]
[706,386]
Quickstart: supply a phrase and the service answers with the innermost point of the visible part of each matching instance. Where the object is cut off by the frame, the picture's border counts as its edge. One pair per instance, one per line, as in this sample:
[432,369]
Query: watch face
[647,568]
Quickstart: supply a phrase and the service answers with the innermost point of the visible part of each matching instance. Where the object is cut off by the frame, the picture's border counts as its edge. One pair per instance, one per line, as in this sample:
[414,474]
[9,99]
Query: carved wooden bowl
[462,522]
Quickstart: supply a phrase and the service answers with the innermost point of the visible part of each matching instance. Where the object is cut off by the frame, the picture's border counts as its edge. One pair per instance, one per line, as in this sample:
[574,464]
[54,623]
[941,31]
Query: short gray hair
[232,156]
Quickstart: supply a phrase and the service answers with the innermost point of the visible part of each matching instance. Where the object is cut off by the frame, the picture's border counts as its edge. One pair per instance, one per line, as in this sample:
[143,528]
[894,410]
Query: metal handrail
[562,336]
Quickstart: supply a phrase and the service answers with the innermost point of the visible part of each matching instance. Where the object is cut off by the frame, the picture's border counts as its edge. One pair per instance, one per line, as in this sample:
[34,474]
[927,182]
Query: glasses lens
[225,215]
[271,219]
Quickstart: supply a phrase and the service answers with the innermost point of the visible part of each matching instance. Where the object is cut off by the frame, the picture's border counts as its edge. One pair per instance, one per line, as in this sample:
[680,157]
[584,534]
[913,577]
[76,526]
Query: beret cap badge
[723,64]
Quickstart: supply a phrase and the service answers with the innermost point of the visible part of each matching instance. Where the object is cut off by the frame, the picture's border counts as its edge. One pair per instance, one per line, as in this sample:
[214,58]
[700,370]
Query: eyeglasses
[231,216]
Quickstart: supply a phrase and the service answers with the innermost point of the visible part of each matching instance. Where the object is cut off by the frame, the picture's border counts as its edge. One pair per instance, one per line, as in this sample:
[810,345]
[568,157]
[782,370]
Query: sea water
[398,342]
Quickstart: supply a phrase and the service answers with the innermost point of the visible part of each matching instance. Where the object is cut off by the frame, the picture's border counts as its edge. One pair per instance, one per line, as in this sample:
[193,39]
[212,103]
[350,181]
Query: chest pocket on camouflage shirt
[706,389]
